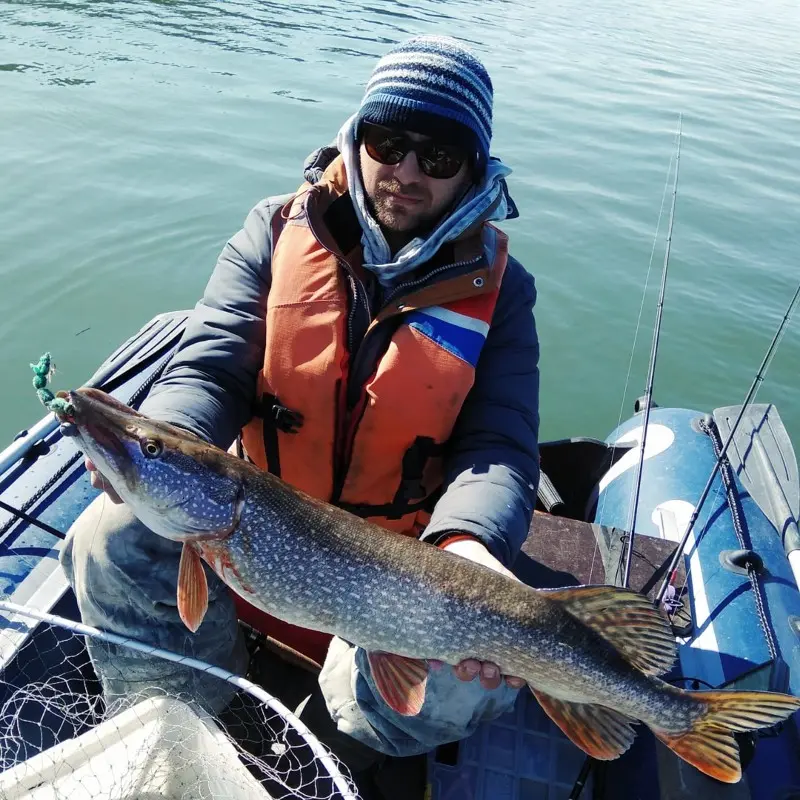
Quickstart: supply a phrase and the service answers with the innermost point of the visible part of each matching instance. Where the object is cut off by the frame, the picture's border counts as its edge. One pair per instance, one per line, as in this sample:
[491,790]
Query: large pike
[590,654]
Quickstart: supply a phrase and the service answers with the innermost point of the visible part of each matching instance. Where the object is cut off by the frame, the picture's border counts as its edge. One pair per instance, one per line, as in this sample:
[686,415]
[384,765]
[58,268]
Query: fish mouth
[99,422]
[87,398]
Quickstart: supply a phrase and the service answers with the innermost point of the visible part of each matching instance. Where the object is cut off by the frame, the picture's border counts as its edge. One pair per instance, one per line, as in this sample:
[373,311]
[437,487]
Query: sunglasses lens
[390,147]
[441,161]
[383,146]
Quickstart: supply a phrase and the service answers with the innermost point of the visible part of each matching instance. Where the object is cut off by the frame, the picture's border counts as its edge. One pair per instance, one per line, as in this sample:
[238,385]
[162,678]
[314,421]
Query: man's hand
[468,669]
[99,482]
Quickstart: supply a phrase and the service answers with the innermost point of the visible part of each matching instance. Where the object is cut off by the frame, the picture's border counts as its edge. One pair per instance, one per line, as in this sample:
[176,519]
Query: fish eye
[152,448]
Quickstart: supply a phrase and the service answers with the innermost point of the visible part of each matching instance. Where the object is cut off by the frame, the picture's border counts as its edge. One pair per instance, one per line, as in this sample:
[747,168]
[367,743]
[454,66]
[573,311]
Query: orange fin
[599,731]
[714,752]
[709,744]
[400,681]
[626,619]
[192,588]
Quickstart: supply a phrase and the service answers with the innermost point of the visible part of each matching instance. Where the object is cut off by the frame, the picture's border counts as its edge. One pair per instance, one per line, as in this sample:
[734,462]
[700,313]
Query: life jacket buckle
[277,416]
[285,419]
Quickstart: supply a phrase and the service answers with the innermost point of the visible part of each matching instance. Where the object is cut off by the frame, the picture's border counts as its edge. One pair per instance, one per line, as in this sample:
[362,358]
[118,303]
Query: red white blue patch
[459,334]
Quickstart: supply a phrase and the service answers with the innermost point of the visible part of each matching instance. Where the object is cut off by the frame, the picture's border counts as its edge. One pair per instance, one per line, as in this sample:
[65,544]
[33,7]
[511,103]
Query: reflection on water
[241,27]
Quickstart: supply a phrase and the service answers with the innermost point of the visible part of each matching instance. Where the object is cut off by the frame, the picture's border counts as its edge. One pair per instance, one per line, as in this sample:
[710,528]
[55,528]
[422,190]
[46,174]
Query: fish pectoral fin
[709,744]
[400,681]
[625,619]
[192,588]
[599,731]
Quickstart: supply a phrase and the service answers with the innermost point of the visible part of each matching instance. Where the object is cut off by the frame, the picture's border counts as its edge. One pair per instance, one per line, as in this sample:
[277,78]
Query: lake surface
[135,136]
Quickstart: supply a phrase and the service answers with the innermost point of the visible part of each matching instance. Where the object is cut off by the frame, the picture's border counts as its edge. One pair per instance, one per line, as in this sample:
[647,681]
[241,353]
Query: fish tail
[709,744]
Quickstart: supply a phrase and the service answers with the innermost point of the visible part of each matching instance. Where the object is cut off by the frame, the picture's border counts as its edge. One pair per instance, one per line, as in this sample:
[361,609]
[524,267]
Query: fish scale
[590,654]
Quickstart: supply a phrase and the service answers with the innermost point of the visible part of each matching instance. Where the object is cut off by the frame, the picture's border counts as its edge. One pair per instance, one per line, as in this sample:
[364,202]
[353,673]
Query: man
[368,339]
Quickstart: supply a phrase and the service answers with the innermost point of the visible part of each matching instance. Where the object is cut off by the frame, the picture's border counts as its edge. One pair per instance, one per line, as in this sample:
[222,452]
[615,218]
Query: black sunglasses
[389,146]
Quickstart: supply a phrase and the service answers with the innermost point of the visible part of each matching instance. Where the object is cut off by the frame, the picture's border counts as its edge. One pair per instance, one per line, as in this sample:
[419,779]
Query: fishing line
[342,785]
[644,297]
[651,371]
[627,550]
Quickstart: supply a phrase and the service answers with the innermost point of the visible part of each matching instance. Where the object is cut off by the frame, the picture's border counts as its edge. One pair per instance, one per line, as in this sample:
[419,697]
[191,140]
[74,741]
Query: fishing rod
[651,370]
[32,520]
[759,378]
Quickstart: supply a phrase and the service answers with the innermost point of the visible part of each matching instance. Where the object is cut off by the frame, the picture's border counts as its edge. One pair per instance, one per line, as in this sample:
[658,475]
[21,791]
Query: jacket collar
[465,263]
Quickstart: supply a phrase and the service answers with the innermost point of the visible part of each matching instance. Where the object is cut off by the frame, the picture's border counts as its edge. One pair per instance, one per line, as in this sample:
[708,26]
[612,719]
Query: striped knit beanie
[434,86]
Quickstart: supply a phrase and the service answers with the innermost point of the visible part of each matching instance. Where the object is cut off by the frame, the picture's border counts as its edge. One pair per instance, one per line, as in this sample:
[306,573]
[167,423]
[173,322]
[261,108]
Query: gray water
[135,136]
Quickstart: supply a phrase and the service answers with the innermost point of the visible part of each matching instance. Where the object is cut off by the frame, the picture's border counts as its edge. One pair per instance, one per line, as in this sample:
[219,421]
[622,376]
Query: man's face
[402,198]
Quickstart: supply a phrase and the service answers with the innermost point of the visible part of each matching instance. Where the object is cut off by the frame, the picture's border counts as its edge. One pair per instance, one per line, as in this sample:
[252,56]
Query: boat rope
[651,369]
[742,532]
[343,786]
[751,393]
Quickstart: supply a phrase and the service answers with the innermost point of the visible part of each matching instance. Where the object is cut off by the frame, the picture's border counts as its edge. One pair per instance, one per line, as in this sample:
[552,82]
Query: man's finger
[467,669]
[490,675]
[99,482]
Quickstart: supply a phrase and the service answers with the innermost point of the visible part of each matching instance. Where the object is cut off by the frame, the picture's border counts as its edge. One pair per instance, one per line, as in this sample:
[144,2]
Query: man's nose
[407,170]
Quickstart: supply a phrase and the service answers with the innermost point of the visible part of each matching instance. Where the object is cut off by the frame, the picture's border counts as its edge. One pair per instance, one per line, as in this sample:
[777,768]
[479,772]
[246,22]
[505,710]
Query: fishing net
[59,738]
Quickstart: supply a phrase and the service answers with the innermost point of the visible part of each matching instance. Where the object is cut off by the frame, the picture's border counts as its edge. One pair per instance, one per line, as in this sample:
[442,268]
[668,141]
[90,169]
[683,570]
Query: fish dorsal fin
[600,732]
[626,619]
[400,681]
[192,588]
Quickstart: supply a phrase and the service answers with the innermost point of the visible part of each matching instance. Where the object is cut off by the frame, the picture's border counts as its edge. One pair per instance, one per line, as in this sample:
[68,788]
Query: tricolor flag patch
[459,334]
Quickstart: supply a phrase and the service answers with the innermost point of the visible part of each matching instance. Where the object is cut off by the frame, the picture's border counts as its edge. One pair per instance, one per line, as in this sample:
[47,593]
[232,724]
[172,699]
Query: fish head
[178,485]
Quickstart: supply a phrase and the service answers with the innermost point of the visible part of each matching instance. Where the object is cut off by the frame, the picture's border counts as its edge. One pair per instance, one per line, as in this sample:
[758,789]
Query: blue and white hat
[435,86]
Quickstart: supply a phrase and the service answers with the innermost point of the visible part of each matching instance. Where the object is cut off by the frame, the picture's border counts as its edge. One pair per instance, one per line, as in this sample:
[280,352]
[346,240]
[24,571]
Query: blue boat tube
[744,598]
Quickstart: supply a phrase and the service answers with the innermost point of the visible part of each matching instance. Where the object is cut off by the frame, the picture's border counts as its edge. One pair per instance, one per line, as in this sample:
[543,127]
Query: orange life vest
[366,430]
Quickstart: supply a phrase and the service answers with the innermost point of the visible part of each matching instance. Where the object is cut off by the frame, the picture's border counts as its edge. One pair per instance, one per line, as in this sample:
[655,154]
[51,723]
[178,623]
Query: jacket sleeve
[492,461]
[210,383]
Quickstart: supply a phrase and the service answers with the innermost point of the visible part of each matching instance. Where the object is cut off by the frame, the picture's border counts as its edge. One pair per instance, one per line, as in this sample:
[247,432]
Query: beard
[398,218]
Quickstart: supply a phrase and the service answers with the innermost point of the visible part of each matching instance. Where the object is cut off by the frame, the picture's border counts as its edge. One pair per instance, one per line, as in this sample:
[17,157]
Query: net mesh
[59,738]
